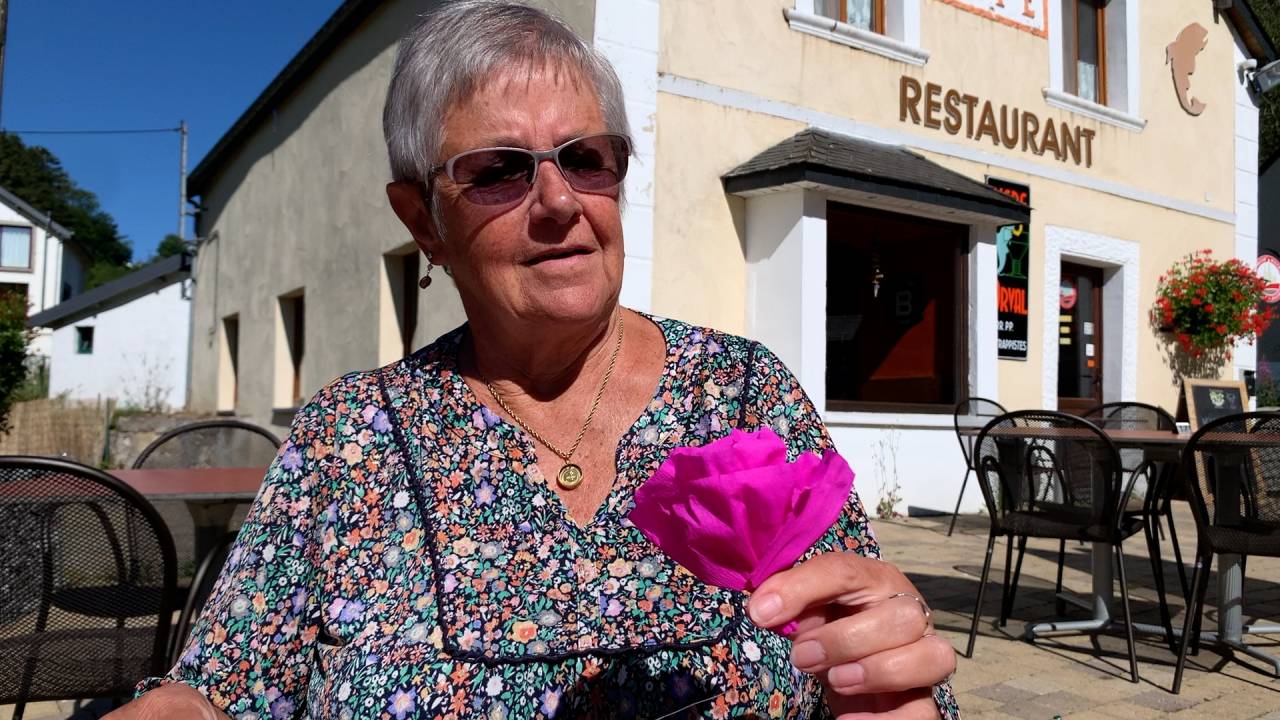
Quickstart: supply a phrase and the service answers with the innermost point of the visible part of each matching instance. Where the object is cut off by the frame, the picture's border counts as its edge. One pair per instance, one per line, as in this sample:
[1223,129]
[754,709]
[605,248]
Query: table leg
[1103,593]
[212,519]
[1230,598]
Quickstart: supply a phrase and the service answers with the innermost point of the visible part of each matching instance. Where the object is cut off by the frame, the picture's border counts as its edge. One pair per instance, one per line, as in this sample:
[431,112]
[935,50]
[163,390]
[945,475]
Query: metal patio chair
[983,411]
[1233,467]
[87,583]
[1157,502]
[210,444]
[1050,475]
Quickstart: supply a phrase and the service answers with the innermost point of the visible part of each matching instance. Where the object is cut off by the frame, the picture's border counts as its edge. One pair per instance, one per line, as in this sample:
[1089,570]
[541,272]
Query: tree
[14,337]
[1268,12]
[171,245]
[36,175]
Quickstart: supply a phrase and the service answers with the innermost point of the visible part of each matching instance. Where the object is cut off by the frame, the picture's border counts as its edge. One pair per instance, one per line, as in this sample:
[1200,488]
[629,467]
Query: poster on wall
[1013,247]
[1029,15]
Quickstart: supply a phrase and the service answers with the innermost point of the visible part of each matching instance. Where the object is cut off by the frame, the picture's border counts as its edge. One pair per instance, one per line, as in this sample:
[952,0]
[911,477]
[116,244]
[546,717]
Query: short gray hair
[458,47]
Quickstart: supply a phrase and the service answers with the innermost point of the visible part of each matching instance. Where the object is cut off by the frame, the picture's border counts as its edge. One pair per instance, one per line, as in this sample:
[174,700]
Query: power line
[94,132]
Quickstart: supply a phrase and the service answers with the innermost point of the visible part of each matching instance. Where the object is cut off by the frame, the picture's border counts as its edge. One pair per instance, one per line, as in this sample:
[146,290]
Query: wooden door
[1079,338]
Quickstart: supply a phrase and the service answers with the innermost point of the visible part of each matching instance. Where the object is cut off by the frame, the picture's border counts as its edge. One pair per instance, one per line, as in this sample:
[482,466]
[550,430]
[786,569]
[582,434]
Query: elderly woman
[447,536]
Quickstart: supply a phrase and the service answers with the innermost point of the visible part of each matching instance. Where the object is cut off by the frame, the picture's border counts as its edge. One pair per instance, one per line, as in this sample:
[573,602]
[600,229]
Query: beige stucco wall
[301,206]
[699,271]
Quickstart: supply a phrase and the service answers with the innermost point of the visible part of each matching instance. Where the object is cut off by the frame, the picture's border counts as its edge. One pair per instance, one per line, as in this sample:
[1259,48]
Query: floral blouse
[405,558]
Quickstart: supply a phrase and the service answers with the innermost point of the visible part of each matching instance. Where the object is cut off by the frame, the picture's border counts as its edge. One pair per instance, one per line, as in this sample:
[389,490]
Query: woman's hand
[174,701]
[874,652]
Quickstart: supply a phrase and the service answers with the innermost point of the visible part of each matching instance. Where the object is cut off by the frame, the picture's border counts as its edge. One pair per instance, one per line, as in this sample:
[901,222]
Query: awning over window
[816,158]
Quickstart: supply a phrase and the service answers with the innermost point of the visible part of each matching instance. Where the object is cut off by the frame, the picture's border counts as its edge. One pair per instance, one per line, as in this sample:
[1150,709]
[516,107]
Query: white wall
[43,280]
[139,352]
[626,32]
[1246,150]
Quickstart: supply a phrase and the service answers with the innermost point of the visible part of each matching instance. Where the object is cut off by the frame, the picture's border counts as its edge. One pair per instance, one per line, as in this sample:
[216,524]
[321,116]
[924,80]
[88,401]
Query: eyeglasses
[499,175]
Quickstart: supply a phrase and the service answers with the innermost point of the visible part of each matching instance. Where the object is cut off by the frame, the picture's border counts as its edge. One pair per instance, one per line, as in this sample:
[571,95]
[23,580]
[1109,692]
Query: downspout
[44,258]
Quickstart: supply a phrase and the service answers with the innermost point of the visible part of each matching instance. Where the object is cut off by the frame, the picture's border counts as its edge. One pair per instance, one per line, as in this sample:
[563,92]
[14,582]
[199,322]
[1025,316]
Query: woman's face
[555,255]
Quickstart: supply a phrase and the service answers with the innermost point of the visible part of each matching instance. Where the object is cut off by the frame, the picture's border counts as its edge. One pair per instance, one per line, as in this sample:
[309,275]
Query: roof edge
[1251,32]
[161,273]
[44,220]
[349,15]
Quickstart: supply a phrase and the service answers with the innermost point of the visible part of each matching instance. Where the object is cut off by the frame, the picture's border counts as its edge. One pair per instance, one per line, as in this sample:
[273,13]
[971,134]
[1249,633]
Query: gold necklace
[570,476]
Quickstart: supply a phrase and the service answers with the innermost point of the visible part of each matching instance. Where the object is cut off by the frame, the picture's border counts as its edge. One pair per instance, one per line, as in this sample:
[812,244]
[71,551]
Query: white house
[128,339]
[37,259]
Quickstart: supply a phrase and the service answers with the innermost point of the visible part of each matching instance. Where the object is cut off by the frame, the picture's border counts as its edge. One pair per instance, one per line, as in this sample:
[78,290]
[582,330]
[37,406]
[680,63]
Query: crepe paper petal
[734,512]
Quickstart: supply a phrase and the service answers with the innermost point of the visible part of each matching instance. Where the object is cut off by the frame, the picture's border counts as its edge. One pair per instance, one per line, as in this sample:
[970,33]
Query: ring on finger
[924,608]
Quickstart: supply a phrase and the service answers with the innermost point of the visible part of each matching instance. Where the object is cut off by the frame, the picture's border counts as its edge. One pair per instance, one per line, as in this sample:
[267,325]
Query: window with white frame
[864,14]
[1093,64]
[884,27]
[15,248]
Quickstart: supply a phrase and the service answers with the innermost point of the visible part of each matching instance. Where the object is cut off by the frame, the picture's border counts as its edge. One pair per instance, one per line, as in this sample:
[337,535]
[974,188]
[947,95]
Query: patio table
[1166,446]
[210,494]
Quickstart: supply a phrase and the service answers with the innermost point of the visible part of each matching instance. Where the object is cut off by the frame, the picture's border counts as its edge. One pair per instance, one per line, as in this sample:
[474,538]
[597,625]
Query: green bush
[14,338]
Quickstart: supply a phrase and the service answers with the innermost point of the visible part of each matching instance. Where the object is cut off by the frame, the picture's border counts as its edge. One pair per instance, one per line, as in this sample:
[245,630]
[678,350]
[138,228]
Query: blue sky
[76,64]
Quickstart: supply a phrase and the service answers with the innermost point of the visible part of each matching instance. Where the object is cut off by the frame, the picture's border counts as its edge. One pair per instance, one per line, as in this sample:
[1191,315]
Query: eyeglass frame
[538,157]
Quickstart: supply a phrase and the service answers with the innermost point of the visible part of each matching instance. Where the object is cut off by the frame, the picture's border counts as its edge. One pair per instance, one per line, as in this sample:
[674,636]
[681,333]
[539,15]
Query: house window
[290,346]
[15,248]
[398,313]
[84,340]
[890,28]
[864,14]
[896,311]
[1085,42]
[229,365]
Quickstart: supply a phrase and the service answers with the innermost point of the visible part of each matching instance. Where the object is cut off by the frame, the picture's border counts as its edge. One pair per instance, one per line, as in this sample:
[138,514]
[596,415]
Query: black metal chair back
[1232,466]
[87,583]
[1127,415]
[211,443]
[1048,465]
[201,587]
[1234,479]
[973,411]
[1130,416]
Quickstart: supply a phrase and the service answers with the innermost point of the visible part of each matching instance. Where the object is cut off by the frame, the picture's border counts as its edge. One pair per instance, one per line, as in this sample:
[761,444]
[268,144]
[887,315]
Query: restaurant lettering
[936,107]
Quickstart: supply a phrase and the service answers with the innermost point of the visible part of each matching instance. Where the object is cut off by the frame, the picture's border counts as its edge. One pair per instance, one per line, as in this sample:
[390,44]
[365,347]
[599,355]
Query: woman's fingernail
[808,654]
[848,675]
[765,608]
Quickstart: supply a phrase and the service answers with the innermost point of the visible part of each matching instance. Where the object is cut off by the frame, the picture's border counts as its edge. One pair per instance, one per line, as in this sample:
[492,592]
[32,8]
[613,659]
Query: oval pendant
[570,476]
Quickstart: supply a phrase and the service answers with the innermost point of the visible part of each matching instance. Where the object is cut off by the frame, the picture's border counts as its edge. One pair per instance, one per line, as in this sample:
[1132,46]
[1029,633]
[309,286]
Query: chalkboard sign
[1208,400]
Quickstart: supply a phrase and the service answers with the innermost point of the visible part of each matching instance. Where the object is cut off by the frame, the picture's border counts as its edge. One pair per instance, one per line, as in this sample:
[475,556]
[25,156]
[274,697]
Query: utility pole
[182,181]
[4,25]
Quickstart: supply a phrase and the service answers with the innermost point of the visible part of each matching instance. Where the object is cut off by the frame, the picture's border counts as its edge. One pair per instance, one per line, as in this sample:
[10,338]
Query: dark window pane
[1088,66]
[84,340]
[892,312]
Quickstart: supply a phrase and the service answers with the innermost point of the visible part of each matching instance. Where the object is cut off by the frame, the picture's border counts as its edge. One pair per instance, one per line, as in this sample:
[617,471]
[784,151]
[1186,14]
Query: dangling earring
[425,281]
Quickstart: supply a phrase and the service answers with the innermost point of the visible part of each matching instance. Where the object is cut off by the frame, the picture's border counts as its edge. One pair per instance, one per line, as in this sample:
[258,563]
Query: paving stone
[1004,692]
[1161,700]
[1128,711]
[1009,677]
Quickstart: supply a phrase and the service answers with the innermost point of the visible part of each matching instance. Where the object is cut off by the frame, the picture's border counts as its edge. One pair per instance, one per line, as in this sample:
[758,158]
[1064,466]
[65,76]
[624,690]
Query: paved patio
[1079,677]
[1068,677]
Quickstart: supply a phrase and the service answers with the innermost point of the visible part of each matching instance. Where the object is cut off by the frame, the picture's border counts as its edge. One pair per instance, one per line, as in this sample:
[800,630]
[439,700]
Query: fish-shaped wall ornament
[1180,56]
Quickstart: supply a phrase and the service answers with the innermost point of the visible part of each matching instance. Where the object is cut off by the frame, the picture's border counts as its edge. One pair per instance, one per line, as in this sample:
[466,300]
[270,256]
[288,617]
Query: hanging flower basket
[1210,305]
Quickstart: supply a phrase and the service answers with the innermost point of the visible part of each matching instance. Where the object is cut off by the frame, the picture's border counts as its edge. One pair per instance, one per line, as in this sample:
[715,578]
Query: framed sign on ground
[1208,400]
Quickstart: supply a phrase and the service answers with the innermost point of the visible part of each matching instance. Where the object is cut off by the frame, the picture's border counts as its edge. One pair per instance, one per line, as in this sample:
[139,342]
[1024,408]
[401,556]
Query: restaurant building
[909,201]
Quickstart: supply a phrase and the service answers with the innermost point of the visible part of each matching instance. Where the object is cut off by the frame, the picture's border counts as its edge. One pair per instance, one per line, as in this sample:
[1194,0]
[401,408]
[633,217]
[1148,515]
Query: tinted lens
[493,177]
[593,164]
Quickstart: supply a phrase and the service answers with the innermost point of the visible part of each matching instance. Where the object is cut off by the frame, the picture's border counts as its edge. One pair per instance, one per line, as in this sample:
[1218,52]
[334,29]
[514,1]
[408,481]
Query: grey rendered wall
[302,206]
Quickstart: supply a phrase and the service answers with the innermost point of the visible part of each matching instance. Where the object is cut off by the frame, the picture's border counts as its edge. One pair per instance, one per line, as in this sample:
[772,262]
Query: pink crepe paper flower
[734,512]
